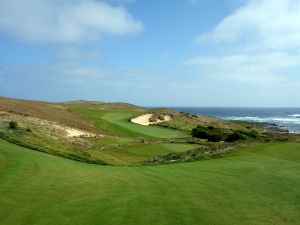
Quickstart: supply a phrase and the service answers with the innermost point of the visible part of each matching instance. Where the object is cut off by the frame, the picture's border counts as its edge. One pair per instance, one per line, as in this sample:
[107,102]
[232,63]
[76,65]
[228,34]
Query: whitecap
[279,120]
[294,115]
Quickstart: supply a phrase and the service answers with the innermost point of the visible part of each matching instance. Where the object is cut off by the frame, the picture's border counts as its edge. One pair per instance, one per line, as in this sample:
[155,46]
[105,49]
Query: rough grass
[187,122]
[102,105]
[258,187]
[45,110]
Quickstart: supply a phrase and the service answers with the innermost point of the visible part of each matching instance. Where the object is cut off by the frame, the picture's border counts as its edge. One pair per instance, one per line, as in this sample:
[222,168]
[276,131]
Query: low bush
[28,129]
[204,133]
[236,136]
[161,117]
[253,134]
[153,119]
[13,125]
[215,138]
[200,132]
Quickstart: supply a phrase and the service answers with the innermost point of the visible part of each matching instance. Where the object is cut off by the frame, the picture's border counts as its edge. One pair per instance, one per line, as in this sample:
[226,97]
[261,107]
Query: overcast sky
[155,53]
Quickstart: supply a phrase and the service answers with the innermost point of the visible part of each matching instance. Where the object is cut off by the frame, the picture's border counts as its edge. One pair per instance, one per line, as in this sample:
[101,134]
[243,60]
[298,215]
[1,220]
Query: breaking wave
[294,115]
[292,119]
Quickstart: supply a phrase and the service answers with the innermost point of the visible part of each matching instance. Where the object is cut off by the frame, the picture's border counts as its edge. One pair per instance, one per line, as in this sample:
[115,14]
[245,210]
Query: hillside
[46,111]
[101,105]
[104,133]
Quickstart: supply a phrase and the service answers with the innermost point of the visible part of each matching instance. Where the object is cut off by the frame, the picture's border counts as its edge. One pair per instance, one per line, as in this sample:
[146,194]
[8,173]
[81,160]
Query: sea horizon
[284,117]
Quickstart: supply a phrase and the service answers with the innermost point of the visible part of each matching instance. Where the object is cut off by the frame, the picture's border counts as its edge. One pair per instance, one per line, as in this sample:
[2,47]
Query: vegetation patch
[13,125]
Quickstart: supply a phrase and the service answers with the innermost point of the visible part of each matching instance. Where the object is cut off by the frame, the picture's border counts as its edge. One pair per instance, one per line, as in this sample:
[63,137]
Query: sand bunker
[71,132]
[145,119]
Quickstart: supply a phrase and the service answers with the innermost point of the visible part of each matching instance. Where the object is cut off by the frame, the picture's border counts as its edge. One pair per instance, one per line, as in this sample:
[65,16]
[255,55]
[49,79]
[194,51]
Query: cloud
[258,44]
[255,69]
[65,21]
[271,24]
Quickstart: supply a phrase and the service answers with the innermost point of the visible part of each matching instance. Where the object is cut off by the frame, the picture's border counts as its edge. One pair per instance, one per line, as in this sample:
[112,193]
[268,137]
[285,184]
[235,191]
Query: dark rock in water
[276,129]
[271,124]
[273,127]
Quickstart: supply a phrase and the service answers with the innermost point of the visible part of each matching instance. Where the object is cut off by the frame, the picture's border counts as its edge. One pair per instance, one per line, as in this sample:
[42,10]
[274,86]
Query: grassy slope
[101,150]
[259,187]
[140,153]
[45,110]
[116,122]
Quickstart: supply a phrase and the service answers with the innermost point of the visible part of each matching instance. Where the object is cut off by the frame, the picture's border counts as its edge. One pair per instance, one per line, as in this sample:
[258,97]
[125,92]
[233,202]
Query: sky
[238,53]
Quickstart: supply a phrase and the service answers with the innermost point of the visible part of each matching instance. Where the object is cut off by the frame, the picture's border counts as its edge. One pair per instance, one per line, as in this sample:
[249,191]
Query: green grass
[102,150]
[116,122]
[135,153]
[258,187]
[119,140]
[160,149]
[139,153]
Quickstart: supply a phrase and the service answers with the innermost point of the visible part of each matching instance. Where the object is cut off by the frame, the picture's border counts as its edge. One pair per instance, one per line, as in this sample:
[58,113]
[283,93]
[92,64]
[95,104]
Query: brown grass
[102,105]
[46,111]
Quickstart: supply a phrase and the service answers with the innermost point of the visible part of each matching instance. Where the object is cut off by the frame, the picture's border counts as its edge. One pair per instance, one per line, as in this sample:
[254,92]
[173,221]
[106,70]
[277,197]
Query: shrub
[200,132]
[253,134]
[28,129]
[215,138]
[198,128]
[210,127]
[152,119]
[161,117]
[204,133]
[13,125]
[236,136]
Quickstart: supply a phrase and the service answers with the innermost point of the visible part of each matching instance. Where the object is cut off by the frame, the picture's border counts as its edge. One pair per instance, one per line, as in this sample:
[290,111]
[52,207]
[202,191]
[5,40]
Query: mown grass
[257,187]
[116,122]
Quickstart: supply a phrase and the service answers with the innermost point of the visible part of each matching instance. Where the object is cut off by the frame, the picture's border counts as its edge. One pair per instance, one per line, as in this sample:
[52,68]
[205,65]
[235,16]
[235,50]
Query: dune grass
[46,111]
[257,187]
[116,122]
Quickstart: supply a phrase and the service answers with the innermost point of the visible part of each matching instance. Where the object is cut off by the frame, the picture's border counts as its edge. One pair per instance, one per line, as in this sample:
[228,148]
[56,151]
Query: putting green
[257,187]
[116,122]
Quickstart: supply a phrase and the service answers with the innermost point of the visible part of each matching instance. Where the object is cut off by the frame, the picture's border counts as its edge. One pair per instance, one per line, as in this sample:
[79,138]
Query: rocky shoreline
[274,128]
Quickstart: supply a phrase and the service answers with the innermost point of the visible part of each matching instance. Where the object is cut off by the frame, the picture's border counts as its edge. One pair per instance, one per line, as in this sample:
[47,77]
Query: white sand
[144,119]
[71,132]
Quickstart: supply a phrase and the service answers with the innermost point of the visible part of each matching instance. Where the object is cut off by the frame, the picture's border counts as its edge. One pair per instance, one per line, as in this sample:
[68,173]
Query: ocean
[287,118]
